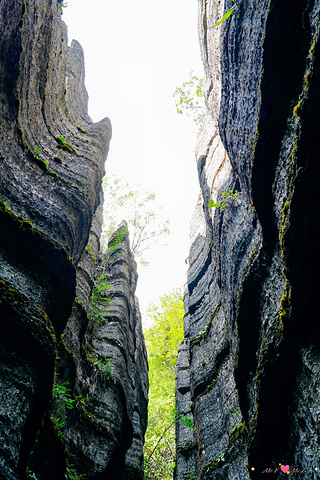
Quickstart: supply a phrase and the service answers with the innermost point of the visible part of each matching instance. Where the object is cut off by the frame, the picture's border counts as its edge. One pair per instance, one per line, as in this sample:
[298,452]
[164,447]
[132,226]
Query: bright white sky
[136,53]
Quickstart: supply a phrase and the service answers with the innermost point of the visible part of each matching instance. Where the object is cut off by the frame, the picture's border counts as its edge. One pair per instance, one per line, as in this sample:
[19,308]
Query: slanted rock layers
[73,381]
[248,369]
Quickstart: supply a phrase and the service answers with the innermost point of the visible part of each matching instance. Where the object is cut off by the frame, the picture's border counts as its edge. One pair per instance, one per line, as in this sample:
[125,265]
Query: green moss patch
[236,432]
[4,209]
[285,304]
[21,135]
[63,145]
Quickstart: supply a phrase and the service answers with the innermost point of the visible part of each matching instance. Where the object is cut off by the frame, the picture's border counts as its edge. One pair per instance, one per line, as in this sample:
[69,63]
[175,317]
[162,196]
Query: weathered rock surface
[248,370]
[102,363]
[51,166]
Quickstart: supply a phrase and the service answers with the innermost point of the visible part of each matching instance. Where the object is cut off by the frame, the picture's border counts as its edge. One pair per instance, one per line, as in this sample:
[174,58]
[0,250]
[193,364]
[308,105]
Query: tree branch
[160,440]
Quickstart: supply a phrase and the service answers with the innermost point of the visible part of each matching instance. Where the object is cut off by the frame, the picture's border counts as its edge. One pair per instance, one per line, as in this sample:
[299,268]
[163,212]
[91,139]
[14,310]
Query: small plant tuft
[191,475]
[37,151]
[229,195]
[112,247]
[211,384]
[103,364]
[182,418]
[62,395]
[63,399]
[63,5]
[72,475]
[221,458]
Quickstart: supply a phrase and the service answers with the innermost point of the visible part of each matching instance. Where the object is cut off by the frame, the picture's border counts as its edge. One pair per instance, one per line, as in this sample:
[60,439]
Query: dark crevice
[279,414]
[201,164]
[193,284]
[280,87]
[248,331]
[273,427]
[48,458]
[207,329]
[194,306]
[10,51]
[86,275]
[201,388]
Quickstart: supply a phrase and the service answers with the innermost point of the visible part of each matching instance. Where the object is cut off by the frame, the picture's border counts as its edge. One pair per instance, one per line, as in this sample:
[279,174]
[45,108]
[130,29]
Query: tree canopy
[139,208]
[190,99]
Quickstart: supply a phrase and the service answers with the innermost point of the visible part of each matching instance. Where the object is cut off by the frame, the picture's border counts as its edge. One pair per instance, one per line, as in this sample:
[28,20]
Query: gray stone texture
[51,166]
[248,369]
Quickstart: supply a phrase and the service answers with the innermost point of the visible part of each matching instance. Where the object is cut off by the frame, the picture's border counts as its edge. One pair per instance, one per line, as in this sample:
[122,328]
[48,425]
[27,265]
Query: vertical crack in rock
[73,389]
[248,369]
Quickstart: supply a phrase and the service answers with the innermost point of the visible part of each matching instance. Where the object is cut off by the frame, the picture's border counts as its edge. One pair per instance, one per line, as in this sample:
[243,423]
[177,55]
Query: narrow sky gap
[135,57]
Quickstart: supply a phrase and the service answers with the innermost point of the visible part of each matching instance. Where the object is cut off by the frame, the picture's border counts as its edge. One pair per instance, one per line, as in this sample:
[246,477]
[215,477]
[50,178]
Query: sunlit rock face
[248,369]
[51,166]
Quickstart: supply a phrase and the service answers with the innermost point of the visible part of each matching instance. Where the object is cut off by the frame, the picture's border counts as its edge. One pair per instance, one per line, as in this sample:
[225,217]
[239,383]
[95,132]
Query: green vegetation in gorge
[162,339]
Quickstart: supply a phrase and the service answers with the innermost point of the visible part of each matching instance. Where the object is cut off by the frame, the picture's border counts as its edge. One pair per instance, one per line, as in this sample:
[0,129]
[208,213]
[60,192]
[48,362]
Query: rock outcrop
[248,369]
[73,379]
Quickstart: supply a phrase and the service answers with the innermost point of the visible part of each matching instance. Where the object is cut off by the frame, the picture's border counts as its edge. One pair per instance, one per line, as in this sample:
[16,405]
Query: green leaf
[225,16]
[217,205]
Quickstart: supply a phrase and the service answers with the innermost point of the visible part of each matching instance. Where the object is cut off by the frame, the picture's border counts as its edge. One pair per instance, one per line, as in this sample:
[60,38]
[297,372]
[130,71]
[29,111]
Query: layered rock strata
[248,369]
[99,410]
[62,398]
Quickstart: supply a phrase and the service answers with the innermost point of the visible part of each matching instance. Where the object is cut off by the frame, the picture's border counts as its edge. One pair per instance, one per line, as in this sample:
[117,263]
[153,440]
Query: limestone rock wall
[101,419]
[248,369]
[66,411]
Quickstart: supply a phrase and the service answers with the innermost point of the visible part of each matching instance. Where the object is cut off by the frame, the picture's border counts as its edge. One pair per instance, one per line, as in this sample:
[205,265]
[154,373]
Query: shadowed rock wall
[102,418]
[248,369]
[51,166]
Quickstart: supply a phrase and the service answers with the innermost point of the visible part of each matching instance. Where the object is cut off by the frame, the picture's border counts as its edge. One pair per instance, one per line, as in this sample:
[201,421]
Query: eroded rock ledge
[51,166]
[248,370]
